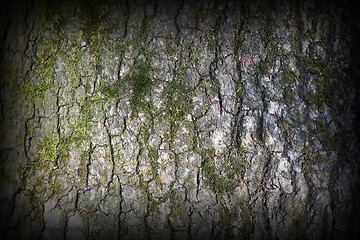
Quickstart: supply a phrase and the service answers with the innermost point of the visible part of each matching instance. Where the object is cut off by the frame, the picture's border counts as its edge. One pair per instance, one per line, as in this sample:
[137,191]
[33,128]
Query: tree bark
[179,120]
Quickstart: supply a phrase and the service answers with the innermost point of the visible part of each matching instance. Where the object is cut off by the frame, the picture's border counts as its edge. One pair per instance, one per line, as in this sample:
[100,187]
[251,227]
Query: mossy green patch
[235,164]
[154,164]
[95,24]
[178,101]
[139,81]
[288,75]
[111,91]
[217,182]
[288,79]
[239,45]
[41,78]
[53,153]
[263,67]
[48,149]
[153,153]
[82,127]
[328,82]
[331,141]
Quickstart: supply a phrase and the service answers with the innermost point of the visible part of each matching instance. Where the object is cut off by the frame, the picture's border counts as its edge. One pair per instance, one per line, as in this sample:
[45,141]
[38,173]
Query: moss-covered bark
[152,120]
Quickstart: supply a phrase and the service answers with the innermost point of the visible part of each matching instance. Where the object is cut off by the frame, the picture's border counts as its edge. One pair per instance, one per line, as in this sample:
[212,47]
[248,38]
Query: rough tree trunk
[178,120]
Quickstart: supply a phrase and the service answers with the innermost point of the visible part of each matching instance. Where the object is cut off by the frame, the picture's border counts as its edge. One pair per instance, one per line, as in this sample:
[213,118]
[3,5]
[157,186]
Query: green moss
[145,132]
[233,167]
[46,49]
[38,176]
[178,101]
[33,91]
[212,44]
[328,82]
[171,49]
[48,149]
[53,153]
[218,183]
[315,66]
[41,78]
[153,153]
[264,65]
[111,91]
[178,104]
[239,45]
[288,78]
[331,142]
[288,75]
[152,204]
[139,81]
[82,127]
[43,161]
[144,27]
[94,23]
[235,164]
[141,84]
[264,15]
[54,14]
[154,164]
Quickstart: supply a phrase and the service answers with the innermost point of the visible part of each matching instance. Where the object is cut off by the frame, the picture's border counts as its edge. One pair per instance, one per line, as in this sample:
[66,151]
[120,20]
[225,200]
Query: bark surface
[179,120]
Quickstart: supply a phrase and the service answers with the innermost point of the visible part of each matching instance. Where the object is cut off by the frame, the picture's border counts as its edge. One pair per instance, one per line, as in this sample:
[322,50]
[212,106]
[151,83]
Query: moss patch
[217,182]
[138,81]
[178,101]
[328,82]
[141,84]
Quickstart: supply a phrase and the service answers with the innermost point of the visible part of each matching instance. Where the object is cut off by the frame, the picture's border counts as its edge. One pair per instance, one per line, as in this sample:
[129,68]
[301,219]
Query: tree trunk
[179,120]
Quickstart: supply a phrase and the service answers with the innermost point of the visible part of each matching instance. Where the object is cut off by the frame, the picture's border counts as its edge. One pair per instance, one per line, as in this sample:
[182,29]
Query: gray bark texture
[179,120]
